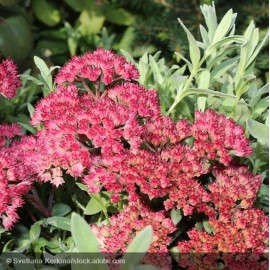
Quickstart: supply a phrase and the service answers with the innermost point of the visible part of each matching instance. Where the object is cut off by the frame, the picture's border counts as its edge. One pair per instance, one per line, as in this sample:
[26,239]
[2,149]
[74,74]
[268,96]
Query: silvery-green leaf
[137,248]
[128,56]
[93,207]
[227,41]
[30,108]
[62,223]
[155,69]
[44,70]
[207,92]
[210,16]
[220,69]
[224,26]
[257,50]
[207,226]
[258,131]
[204,36]
[194,51]
[185,60]
[86,243]
[176,216]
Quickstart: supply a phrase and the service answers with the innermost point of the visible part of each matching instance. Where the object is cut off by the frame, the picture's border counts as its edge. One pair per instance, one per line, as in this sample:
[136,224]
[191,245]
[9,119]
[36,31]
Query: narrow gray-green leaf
[157,75]
[209,13]
[257,50]
[194,50]
[224,26]
[206,92]
[30,108]
[28,127]
[227,41]
[220,69]
[44,70]
[128,56]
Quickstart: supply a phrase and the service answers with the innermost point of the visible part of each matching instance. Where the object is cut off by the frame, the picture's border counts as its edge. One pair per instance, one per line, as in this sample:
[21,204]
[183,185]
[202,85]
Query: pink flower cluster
[109,134]
[115,238]
[12,187]
[245,233]
[9,78]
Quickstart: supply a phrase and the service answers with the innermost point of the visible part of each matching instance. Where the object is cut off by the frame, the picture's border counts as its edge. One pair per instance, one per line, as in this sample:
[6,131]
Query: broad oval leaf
[137,248]
[46,12]
[59,222]
[93,207]
[258,131]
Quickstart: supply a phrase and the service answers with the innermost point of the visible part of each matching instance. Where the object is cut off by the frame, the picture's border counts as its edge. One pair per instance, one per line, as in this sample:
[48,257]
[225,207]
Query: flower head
[9,77]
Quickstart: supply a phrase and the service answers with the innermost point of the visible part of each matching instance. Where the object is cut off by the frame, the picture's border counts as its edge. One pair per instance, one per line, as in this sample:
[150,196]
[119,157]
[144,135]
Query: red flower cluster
[9,78]
[110,134]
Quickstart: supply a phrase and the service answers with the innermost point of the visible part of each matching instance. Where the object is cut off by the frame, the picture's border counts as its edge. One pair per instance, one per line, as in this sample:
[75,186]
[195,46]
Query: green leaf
[127,40]
[84,238]
[93,207]
[264,190]
[91,21]
[28,127]
[194,50]
[206,92]
[207,226]
[119,16]
[209,14]
[259,131]
[15,37]
[155,69]
[85,242]
[46,12]
[174,251]
[27,245]
[35,230]
[77,5]
[222,68]
[128,56]
[176,216]
[41,65]
[60,209]
[241,113]
[30,108]
[227,41]
[257,50]
[137,248]
[33,79]
[82,186]
[204,36]
[62,223]
[224,26]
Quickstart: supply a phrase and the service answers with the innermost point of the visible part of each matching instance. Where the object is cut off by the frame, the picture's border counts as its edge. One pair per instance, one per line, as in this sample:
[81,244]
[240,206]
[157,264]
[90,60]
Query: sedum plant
[99,129]
[159,193]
